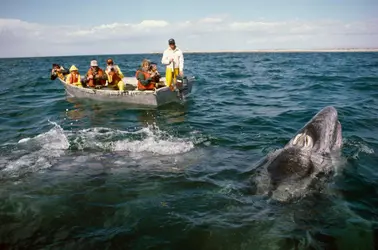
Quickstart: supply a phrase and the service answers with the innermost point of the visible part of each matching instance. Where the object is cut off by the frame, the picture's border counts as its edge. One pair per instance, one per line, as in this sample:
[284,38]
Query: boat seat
[129,86]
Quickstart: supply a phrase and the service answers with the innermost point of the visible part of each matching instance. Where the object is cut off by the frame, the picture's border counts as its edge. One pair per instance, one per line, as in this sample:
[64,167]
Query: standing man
[174,59]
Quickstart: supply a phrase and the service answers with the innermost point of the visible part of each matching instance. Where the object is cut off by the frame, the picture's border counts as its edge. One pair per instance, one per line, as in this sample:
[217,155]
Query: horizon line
[217,51]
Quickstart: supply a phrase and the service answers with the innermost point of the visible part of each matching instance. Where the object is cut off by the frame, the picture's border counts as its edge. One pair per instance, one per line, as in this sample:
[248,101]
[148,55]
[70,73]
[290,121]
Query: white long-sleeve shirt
[177,56]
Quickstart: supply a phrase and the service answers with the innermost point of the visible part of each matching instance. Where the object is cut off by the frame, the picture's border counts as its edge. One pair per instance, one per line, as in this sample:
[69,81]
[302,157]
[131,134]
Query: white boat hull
[154,98]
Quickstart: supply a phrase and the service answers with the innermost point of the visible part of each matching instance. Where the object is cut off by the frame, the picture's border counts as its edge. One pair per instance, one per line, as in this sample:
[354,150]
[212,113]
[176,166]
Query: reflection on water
[78,112]
[171,114]
[147,117]
[176,113]
[102,112]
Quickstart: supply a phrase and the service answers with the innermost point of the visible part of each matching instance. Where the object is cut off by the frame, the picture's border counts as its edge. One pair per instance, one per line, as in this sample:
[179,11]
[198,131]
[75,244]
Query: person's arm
[104,77]
[53,75]
[181,62]
[78,80]
[120,74]
[68,79]
[142,80]
[64,71]
[85,78]
[165,59]
[157,77]
[101,76]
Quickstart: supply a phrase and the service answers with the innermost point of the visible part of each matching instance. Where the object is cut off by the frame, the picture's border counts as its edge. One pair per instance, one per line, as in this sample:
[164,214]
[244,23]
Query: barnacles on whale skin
[303,140]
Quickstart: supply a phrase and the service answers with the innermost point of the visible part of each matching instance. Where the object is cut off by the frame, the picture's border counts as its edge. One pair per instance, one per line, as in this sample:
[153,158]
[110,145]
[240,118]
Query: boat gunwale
[156,97]
[109,92]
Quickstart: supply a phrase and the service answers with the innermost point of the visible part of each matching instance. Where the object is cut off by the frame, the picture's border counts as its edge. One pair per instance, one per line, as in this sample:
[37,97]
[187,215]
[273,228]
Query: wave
[34,154]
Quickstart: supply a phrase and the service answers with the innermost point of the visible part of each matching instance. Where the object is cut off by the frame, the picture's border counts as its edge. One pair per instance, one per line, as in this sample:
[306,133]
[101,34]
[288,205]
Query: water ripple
[107,176]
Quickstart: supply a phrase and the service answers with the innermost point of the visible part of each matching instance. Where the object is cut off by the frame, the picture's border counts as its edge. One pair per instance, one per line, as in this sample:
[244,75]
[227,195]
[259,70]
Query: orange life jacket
[74,78]
[115,77]
[100,73]
[147,75]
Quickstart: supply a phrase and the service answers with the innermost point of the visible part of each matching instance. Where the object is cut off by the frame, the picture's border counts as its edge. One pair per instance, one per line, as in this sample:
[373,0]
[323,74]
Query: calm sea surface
[78,174]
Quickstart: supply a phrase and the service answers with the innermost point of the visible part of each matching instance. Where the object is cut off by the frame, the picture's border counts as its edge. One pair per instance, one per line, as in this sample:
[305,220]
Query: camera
[110,68]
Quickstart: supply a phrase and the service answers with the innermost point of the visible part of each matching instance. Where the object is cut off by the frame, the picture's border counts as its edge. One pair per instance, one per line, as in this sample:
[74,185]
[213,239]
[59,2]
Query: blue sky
[30,27]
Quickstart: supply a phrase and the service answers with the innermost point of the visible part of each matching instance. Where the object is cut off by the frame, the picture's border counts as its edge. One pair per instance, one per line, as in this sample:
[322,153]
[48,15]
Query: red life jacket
[150,86]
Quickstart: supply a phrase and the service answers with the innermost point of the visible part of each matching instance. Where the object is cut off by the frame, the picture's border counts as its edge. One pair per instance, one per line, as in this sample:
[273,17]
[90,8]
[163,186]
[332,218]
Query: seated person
[153,71]
[74,77]
[145,78]
[115,76]
[58,71]
[95,76]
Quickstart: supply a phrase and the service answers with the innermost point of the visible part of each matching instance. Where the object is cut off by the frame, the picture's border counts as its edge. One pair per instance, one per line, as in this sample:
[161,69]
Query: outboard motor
[181,86]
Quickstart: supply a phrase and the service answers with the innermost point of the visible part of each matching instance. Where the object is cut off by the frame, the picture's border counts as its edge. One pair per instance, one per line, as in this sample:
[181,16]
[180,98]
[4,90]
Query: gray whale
[305,162]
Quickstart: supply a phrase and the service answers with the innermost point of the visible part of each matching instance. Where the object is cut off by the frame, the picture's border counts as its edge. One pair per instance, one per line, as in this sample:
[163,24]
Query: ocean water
[78,174]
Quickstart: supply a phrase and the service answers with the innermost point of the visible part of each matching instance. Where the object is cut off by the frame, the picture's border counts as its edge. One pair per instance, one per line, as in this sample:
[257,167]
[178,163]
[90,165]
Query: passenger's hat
[94,63]
[73,67]
[171,41]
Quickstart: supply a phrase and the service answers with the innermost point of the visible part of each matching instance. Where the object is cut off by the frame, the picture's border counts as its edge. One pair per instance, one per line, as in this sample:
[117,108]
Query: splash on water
[44,150]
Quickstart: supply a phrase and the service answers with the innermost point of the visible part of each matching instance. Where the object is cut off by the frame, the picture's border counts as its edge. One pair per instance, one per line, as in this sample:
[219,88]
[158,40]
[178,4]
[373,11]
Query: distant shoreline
[278,51]
[217,52]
